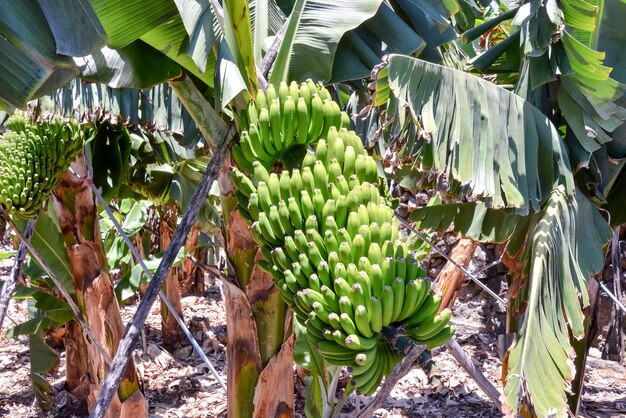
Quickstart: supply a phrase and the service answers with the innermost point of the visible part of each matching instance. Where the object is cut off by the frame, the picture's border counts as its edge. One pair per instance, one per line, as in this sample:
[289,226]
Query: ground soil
[178,384]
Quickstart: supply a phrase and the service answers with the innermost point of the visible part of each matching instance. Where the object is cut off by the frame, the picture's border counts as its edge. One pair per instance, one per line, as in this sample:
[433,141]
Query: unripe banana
[376,314]
[285,221]
[362,321]
[431,328]
[308,180]
[318,203]
[347,324]
[323,272]
[303,121]
[357,296]
[387,302]
[317,117]
[276,125]
[306,204]
[359,343]
[330,298]
[290,122]
[341,287]
[429,308]
[260,172]
[334,321]
[305,94]
[265,132]
[242,183]
[274,218]
[439,339]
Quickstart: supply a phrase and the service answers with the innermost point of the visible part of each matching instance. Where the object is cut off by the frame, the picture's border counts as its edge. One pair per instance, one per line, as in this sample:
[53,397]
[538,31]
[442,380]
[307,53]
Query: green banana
[376,314]
[438,339]
[387,302]
[432,327]
[427,310]
[355,342]
[362,321]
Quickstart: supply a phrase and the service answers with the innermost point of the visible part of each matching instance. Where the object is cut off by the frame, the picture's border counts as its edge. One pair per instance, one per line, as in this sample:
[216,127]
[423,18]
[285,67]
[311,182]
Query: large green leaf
[128,66]
[156,106]
[472,220]
[201,26]
[48,241]
[556,42]
[493,144]
[563,250]
[29,64]
[611,37]
[171,39]
[238,35]
[267,19]
[69,18]
[313,33]
[125,21]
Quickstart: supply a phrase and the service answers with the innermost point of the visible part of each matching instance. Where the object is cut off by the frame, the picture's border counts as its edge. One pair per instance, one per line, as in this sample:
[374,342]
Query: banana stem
[330,401]
[145,269]
[399,371]
[68,298]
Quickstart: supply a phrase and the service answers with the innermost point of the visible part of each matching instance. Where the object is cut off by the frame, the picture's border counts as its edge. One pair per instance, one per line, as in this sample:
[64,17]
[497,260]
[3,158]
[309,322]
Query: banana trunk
[451,278]
[170,330]
[260,341]
[78,217]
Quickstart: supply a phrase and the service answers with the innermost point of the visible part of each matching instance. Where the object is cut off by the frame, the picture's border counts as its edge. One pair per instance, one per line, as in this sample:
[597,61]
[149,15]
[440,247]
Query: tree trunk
[451,277]
[259,333]
[615,344]
[78,216]
[171,332]
[191,280]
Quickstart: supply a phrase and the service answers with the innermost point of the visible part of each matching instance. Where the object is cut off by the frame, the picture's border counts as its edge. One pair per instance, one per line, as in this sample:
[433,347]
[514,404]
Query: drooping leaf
[557,40]
[200,24]
[127,66]
[125,21]
[229,80]
[313,33]
[69,18]
[490,143]
[171,39]
[29,64]
[238,35]
[472,220]
[563,250]
[610,37]
[48,241]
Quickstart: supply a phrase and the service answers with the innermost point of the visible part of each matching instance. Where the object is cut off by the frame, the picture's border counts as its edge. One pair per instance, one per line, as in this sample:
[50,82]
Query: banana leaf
[564,249]
[491,143]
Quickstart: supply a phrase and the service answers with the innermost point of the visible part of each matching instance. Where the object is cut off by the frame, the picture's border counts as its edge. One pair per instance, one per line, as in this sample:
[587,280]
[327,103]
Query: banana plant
[522,172]
[42,177]
[221,50]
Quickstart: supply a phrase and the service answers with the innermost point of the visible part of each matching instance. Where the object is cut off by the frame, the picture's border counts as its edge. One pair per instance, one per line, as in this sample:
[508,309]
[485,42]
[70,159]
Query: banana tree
[523,173]
[48,149]
[350,41]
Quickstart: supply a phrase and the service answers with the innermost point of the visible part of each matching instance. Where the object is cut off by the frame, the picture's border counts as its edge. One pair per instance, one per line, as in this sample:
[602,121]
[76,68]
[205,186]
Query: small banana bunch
[279,121]
[331,242]
[32,158]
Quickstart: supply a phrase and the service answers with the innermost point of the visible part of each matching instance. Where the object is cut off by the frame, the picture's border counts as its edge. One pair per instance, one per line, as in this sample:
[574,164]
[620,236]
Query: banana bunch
[279,122]
[32,158]
[331,241]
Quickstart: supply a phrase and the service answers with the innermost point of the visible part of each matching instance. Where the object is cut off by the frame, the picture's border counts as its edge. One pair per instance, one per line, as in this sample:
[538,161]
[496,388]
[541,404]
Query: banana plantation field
[345,208]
